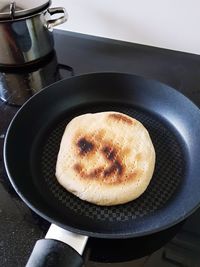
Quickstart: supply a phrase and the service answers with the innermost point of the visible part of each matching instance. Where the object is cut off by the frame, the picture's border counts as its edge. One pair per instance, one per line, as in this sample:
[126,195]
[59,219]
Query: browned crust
[99,174]
[92,174]
[120,117]
[87,145]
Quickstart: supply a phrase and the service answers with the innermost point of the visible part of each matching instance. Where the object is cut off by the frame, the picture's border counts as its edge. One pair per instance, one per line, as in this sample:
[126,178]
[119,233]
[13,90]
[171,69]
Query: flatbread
[105,158]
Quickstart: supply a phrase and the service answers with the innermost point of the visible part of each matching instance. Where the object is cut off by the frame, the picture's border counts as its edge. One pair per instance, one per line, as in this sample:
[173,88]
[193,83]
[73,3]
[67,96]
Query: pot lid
[11,9]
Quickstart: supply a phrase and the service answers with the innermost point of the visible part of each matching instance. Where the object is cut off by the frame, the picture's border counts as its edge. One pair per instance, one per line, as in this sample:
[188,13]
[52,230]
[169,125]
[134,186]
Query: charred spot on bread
[115,167]
[85,146]
[101,172]
[109,153]
[95,173]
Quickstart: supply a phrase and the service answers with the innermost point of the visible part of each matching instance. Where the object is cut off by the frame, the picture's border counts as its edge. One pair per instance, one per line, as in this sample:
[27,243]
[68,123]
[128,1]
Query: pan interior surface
[30,154]
[169,169]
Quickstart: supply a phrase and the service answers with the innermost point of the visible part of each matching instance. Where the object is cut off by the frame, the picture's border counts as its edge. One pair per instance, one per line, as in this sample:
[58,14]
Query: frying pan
[32,143]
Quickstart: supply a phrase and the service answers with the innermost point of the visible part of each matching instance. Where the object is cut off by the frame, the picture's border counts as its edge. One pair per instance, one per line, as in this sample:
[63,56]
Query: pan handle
[60,248]
[53,253]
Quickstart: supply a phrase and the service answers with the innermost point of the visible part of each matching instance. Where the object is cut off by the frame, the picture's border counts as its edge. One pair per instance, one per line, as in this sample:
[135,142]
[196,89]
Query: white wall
[173,24]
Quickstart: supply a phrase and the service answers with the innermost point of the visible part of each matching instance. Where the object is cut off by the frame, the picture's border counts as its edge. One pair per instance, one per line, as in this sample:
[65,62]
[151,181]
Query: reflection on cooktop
[17,85]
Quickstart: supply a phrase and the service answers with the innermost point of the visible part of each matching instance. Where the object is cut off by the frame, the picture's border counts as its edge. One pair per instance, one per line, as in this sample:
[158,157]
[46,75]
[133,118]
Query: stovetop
[77,54]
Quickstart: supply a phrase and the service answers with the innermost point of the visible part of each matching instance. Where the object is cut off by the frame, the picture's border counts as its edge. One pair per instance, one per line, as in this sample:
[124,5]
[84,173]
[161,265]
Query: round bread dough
[105,158]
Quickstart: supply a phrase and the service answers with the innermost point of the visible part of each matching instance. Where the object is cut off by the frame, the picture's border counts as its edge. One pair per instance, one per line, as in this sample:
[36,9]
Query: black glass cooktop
[76,54]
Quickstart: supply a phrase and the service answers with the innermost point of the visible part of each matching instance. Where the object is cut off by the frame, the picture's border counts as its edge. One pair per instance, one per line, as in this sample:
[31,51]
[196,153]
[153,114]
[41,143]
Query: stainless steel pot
[26,30]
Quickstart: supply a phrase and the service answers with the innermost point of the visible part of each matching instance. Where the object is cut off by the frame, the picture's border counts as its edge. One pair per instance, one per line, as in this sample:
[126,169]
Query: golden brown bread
[105,158]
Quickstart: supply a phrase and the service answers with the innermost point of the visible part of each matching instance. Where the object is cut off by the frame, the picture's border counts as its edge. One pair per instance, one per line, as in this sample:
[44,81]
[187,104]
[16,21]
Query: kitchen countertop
[20,227]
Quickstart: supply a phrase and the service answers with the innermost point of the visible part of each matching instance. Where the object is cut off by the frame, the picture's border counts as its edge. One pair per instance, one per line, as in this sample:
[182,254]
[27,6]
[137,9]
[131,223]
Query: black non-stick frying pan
[173,121]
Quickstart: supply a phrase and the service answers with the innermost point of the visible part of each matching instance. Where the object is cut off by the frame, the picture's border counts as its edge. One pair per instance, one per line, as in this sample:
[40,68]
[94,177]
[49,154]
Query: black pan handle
[54,253]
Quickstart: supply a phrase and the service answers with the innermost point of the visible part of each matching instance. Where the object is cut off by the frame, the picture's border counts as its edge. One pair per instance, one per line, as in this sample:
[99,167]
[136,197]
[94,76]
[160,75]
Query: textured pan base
[167,175]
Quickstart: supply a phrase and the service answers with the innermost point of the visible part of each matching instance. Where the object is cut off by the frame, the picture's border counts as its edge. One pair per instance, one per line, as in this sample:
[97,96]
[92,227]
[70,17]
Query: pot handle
[54,253]
[54,22]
